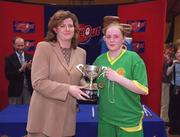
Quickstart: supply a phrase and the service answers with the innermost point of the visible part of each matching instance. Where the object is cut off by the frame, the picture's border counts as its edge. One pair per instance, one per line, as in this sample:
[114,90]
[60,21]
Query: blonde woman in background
[174,100]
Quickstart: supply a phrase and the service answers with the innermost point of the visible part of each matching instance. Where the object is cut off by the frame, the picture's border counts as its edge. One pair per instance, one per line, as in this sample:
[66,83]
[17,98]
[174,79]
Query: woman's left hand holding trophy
[76,92]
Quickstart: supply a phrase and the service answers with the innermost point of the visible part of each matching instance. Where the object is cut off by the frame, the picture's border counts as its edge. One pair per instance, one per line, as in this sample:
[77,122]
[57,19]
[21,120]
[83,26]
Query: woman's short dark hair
[56,20]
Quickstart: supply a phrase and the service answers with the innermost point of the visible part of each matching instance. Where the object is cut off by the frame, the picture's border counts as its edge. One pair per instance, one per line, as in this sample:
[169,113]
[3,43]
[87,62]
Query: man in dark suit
[18,73]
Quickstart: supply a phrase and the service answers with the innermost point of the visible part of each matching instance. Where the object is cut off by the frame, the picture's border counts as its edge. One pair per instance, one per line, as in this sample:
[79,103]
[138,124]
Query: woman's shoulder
[44,46]
[44,43]
[81,50]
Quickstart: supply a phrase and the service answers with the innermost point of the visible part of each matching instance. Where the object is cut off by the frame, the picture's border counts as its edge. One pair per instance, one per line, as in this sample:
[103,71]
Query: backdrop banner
[148,24]
[146,18]
[18,19]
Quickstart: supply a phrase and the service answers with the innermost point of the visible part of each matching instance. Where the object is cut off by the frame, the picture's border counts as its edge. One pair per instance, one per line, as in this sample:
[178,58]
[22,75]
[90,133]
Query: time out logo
[87,32]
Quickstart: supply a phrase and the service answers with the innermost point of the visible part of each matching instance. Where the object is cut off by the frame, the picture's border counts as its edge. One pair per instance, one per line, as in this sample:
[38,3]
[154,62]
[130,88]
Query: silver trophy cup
[91,72]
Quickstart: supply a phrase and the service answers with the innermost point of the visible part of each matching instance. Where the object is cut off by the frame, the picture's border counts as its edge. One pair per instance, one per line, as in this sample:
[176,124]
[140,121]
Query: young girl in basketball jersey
[120,111]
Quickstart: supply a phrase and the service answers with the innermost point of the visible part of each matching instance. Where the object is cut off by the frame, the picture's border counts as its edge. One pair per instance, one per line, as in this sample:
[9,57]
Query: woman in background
[174,96]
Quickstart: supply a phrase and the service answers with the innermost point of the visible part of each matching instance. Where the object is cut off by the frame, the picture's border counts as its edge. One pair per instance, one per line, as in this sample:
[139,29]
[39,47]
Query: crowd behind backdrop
[147,20]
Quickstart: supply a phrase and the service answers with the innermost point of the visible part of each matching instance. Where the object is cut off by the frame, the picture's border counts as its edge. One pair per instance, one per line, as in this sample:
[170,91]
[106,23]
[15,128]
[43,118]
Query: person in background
[55,79]
[165,86]
[127,31]
[120,111]
[18,73]
[174,97]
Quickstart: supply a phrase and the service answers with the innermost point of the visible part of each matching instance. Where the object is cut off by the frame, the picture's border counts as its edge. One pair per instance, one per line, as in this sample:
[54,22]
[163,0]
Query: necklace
[111,98]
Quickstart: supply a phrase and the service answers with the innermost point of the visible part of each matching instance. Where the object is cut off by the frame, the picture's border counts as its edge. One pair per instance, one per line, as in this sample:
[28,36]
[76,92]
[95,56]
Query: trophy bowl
[91,72]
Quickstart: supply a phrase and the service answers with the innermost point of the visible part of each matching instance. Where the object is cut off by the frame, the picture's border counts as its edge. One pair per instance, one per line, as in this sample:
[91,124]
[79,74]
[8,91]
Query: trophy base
[92,94]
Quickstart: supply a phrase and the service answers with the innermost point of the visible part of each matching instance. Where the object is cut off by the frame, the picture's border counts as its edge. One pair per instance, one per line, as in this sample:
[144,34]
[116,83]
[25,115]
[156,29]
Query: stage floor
[13,122]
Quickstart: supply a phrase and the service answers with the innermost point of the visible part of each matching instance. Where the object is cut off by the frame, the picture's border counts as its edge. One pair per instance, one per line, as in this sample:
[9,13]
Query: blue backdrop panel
[90,20]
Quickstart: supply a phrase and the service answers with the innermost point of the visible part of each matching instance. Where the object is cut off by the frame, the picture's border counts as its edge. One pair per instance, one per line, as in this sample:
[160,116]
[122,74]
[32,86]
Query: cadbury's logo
[23,26]
[87,32]
[137,25]
[30,45]
[138,46]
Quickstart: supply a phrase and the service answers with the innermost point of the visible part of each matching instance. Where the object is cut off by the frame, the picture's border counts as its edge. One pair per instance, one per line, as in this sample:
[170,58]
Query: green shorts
[108,130]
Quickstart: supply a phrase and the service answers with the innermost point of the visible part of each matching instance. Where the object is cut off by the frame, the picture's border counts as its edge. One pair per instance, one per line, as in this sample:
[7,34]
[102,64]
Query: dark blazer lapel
[26,57]
[15,60]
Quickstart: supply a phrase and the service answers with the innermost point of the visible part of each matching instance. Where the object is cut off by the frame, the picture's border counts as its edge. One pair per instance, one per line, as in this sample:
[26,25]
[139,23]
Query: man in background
[18,73]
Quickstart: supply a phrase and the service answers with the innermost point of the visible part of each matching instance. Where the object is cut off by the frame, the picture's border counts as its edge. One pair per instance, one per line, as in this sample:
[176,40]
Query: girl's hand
[112,75]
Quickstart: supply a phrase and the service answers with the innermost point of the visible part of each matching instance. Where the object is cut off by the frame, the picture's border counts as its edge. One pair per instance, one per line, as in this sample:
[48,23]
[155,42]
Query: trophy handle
[103,71]
[79,67]
[103,68]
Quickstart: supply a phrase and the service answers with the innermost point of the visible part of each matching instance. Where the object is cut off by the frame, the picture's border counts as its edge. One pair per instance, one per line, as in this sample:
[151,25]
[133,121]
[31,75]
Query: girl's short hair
[114,24]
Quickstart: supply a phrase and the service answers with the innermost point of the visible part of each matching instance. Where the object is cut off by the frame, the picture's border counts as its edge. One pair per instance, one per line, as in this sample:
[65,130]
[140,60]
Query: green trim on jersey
[117,105]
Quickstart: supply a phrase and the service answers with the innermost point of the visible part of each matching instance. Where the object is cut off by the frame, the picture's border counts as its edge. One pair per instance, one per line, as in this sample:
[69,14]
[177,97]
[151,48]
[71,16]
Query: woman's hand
[175,61]
[77,93]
